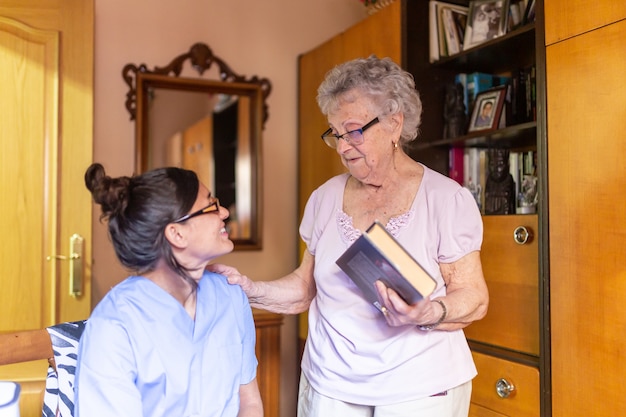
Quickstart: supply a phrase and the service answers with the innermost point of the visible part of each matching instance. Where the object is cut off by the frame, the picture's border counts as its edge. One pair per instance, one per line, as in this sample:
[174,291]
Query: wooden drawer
[524,400]
[511,272]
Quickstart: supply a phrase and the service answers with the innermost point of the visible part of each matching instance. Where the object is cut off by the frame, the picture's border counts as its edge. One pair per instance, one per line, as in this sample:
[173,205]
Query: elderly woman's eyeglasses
[353,137]
[213,207]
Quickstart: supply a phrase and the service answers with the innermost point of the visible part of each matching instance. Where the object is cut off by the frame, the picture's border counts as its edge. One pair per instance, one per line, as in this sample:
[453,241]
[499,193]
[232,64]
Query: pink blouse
[351,353]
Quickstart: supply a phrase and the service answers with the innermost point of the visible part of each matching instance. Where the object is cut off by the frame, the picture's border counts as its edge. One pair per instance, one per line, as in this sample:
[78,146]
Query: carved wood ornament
[201,58]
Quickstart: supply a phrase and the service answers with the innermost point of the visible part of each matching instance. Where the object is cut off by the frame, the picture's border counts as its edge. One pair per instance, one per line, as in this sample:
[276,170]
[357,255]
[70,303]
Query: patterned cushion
[59,396]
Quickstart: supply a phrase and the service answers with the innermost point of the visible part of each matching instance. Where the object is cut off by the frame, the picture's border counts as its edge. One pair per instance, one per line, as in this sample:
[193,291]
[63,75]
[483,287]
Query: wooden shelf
[520,136]
[495,55]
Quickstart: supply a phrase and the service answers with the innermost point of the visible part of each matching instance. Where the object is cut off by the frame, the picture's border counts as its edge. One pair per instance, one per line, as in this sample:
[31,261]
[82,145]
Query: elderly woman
[411,360]
[173,339]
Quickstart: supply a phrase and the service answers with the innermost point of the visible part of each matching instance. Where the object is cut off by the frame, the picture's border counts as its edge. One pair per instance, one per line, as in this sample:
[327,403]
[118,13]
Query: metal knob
[522,235]
[504,388]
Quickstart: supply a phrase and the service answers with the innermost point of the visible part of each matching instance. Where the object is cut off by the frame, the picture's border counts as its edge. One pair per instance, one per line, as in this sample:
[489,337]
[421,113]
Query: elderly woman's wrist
[444,313]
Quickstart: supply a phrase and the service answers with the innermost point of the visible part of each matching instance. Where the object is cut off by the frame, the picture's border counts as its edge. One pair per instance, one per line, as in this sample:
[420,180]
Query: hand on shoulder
[233,275]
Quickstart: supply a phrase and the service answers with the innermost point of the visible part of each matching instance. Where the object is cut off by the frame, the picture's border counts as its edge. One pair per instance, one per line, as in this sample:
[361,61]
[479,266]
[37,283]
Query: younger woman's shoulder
[219,284]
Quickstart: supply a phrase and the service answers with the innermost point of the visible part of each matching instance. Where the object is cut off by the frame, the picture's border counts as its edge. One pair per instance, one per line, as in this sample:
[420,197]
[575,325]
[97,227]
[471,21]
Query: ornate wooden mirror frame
[213,127]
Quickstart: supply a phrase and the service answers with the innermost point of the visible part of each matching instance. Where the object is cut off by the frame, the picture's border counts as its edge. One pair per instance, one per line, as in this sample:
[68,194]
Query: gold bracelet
[429,327]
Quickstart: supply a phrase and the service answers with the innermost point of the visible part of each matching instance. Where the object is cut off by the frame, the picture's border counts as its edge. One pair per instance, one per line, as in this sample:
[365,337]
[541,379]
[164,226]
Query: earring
[395,146]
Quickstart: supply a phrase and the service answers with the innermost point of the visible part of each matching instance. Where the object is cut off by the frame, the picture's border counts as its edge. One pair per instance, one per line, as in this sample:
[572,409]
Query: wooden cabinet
[268,354]
[568,18]
[512,341]
[586,64]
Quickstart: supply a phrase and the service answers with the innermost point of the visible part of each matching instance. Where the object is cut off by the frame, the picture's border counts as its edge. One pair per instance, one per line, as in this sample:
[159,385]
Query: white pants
[454,404]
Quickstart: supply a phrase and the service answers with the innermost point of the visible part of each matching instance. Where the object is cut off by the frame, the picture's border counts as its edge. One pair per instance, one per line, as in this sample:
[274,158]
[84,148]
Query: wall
[260,38]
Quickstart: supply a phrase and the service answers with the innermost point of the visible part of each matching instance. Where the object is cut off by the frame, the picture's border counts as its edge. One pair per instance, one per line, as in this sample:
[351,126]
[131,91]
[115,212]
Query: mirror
[211,126]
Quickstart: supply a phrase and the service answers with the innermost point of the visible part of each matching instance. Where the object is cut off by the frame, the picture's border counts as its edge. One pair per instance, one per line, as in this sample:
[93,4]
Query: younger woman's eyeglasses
[353,137]
[213,207]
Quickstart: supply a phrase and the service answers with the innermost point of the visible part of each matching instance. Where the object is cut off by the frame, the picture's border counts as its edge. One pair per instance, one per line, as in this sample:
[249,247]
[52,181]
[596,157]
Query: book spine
[433,31]
[514,170]
[452,41]
[456,167]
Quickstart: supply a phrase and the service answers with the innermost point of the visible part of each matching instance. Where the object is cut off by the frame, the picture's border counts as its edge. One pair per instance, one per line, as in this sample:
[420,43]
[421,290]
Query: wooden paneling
[268,353]
[46,130]
[587,179]
[511,273]
[379,34]
[523,402]
[571,17]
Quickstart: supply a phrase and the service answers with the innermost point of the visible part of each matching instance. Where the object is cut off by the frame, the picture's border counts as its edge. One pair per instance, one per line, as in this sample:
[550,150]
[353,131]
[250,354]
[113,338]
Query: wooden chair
[27,346]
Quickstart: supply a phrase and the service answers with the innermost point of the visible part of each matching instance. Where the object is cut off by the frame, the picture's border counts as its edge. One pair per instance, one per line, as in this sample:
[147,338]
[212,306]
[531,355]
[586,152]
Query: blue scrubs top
[142,355]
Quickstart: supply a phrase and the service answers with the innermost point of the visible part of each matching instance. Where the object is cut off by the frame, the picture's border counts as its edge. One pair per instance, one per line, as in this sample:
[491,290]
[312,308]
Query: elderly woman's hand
[399,313]
[466,299]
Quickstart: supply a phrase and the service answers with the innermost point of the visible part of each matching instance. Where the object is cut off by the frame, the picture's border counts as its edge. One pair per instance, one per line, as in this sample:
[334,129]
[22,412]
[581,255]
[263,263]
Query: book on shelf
[446,28]
[517,9]
[435,31]
[529,15]
[475,173]
[377,256]
[523,169]
[455,164]
[454,18]
[523,97]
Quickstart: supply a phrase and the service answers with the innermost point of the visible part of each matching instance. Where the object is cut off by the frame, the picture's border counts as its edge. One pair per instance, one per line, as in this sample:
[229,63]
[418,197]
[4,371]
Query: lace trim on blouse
[349,234]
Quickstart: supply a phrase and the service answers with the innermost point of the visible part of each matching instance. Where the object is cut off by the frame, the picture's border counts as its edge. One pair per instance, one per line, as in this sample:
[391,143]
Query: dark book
[377,256]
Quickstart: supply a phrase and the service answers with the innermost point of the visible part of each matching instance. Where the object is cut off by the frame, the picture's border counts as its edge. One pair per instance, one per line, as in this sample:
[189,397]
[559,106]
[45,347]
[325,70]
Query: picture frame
[486,20]
[488,110]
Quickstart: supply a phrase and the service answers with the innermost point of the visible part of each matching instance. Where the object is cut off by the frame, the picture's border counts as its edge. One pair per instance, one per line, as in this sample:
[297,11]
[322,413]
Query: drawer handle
[504,388]
[522,235]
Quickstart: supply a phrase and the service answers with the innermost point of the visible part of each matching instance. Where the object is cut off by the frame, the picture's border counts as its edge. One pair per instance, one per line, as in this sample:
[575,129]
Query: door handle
[76,264]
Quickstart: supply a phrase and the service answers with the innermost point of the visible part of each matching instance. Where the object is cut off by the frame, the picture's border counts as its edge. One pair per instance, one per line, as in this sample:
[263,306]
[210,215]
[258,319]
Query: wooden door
[587,179]
[46,78]
[198,150]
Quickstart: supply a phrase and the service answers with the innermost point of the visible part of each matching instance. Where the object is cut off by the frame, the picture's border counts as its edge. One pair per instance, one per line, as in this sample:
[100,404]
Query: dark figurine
[500,186]
[454,117]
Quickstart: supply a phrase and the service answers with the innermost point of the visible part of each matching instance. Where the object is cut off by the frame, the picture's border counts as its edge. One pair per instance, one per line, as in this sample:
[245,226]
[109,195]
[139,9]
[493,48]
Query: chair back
[58,400]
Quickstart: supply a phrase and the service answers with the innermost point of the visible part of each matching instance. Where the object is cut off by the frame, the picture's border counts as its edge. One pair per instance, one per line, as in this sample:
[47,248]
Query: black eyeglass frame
[213,207]
[329,133]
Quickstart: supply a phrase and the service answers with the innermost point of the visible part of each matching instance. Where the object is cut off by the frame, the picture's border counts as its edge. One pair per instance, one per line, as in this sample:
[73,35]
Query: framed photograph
[487,110]
[486,20]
